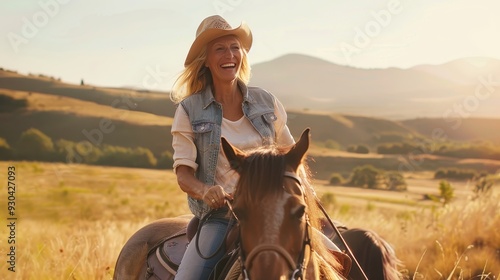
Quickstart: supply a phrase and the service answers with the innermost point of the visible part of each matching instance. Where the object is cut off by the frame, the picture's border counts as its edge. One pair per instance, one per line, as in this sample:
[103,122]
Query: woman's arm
[189,183]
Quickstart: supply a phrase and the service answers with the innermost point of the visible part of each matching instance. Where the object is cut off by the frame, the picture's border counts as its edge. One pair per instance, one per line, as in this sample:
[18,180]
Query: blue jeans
[193,266]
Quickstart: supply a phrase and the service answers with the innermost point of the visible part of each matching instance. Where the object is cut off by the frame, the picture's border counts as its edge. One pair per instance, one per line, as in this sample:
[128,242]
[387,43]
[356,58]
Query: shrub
[368,176]
[34,145]
[336,179]
[359,149]
[447,192]
[395,181]
[364,176]
[10,104]
[5,150]
[127,157]
[396,148]
[81,152]
[332,144]
[483,185]
[454,173]
[165,161]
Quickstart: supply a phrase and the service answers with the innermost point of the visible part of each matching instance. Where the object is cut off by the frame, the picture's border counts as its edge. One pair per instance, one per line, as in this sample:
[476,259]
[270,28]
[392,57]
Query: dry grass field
[74,219]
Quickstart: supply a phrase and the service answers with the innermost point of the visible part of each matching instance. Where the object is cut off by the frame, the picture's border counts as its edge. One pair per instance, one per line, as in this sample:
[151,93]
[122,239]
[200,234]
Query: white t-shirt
[240,134]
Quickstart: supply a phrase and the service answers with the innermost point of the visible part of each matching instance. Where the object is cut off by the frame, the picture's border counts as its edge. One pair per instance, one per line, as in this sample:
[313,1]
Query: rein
[296,267]
[198,231]
[349,252]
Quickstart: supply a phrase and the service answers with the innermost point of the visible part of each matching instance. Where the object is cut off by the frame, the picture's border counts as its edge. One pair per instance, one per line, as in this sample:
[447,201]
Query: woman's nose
[229,53]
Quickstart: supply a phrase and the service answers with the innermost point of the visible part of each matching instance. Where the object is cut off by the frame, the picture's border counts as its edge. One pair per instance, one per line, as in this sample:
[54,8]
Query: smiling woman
[216,102]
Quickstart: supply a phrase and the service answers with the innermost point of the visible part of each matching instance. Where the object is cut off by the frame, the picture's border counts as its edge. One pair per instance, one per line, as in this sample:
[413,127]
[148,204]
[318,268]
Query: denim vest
[205,115]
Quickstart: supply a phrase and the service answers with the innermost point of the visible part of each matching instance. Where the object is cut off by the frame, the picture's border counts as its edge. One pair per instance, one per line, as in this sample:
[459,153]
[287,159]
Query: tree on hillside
[34,145]
[364,176]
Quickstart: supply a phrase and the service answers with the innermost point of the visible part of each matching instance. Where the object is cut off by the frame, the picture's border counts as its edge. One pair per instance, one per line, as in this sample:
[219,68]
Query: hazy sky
[144,43]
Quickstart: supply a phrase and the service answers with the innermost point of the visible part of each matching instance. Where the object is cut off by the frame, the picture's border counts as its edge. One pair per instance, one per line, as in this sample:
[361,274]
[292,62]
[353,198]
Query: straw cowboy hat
[214,27]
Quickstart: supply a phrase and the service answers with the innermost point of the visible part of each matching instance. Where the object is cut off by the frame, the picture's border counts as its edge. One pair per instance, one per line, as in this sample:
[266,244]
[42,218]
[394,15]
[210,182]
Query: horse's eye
[299,211]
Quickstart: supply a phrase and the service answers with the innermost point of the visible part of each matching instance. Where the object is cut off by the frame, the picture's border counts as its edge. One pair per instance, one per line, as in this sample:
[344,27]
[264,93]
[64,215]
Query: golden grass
[458,241]
[74,219]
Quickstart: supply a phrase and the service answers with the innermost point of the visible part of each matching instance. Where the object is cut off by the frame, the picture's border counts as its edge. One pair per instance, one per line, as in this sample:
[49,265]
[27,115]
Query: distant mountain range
[461,88]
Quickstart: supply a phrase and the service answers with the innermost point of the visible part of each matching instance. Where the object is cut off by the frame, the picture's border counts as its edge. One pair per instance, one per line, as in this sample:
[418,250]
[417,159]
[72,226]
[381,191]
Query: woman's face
[224,58]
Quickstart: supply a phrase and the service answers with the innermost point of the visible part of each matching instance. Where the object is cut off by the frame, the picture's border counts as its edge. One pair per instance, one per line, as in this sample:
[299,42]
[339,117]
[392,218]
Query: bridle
[297,267]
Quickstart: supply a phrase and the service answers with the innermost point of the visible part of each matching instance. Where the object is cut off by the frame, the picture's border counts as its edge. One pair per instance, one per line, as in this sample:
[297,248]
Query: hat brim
[242,32]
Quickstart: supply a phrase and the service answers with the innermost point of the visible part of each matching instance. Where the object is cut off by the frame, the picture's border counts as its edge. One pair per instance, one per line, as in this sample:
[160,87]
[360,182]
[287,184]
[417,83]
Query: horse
[277,214]
[375,257]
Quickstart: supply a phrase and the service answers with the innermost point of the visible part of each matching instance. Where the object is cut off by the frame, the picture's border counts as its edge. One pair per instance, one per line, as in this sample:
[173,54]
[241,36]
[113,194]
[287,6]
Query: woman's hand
[215,196]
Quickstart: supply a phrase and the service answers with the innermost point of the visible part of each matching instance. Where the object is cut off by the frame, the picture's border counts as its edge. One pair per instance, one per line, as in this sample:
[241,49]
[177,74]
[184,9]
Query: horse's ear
[297,153]
[233,154]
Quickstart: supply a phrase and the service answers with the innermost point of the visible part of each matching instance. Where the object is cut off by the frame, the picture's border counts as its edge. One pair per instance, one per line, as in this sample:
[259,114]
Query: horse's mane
[262,167]
[265,167]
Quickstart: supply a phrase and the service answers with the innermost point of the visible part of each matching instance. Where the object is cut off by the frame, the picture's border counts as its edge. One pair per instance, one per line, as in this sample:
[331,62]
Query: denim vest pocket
[203,133]
[267,130]
[270,118]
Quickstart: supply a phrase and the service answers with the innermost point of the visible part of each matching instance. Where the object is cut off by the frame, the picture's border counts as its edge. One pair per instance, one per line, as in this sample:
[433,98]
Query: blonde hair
[196,77]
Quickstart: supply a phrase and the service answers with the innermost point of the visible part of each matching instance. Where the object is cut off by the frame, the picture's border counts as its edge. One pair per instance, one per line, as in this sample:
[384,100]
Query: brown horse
[276,211]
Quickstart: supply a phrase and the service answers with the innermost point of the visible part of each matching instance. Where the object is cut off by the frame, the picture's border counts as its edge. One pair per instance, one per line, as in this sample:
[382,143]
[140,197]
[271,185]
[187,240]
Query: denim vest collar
[208,96]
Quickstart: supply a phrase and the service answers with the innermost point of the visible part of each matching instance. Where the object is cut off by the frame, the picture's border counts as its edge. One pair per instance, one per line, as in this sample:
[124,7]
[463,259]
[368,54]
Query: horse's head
[272,209]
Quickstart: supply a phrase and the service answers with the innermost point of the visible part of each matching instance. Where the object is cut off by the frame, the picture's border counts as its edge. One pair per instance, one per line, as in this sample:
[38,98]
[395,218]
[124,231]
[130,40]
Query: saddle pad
[164,261]
[173,250]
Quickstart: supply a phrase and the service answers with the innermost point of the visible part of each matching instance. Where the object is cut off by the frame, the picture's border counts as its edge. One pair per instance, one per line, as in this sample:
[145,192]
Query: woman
[215,101]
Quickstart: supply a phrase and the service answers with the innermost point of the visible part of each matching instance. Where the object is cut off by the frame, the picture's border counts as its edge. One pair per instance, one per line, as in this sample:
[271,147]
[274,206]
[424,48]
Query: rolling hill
[142,118]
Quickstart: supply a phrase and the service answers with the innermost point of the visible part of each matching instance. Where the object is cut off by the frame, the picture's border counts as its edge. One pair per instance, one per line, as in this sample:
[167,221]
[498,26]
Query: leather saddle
[164,258]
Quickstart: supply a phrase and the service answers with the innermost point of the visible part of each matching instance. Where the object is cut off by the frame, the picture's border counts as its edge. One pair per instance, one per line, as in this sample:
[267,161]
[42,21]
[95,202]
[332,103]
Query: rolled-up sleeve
[283,135]
[183,140]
